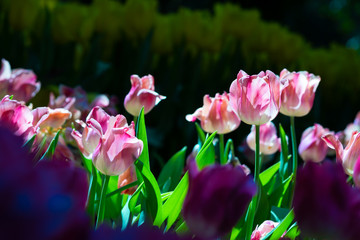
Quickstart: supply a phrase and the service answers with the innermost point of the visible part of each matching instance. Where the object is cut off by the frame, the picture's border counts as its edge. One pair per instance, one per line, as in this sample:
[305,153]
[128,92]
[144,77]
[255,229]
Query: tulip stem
[92,192]
[101,211]
[254,203]
[221,144]
[294,147]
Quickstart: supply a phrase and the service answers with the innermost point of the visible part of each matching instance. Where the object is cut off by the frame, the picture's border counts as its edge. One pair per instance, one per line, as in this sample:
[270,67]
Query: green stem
[294,147]
[221,144]
[254,203]
[91,193]
[135,121]
[101,211]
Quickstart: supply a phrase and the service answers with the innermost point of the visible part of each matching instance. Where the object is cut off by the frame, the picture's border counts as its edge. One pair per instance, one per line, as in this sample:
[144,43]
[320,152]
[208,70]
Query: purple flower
[325,206]
[217,197]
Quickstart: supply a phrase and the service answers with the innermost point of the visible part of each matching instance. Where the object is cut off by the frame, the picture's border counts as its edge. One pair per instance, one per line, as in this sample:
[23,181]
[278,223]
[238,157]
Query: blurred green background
[192,48]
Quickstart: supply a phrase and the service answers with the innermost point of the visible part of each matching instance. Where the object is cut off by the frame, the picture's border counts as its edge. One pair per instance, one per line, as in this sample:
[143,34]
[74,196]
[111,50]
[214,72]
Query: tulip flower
[216,115]
[20,83]
[142,94]
[312,147]
[269,142]
[351,128]
[126,178]
[256,98]
[262,230]
[347,156]
[325,206]
[217,197]
[297,98]
[109,141]
[356,175]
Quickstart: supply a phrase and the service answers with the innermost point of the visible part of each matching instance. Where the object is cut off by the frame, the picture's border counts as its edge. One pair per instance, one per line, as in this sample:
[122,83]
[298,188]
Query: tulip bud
[256,98]
[269,142]
[217,197]
[262,230]
[298,96]
[312,147]
[126,178]
[216,115]
[142,94]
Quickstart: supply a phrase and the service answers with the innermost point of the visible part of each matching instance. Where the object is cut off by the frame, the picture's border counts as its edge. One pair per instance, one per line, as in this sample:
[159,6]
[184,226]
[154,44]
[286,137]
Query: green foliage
[206,154]
[141,134]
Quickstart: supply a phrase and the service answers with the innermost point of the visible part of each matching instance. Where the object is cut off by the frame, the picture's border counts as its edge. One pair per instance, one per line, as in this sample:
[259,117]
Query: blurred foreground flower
[20,83]
[312,147]
[269,141]
[256,98]
[217,197]
[109,141]
[298,97]
[142,94]
[216,115]
[45,202]
[325,206]
[347,156]
[262,230]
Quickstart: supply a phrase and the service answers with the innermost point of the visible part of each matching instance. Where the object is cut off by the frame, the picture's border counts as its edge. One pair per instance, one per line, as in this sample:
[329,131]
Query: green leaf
[280,229]
[28,144]
[51,149]
[201,134]
[153,196]
[171,173]
[141,134]
[269,173]
[119,190]
[206,155]
[134,198]
[278,196]
[284,156]
[173,205]
[293,232]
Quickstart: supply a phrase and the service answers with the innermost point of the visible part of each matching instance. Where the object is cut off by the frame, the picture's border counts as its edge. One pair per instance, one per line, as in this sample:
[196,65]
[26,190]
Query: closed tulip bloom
[325,206]
[109,141]
[256,98]
[347,156]
[312,147]
[298,97]
[269,141]
[142,94]
[217,197]
[262,230]
[216,115]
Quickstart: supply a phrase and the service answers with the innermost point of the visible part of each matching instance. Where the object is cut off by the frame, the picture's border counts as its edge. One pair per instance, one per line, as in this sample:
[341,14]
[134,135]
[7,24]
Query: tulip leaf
[173,205]
[152,193]
[269,173]
[201,134]
[28,144]
[51,149]
[113,203]
[141,134]
[280,229]
[134,198]
[206,154]
[278,196]
[171,173]
[284,156]
[293,232]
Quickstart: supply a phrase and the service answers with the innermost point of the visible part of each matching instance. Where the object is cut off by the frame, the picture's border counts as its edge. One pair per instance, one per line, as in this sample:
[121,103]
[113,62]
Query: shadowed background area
[192,48]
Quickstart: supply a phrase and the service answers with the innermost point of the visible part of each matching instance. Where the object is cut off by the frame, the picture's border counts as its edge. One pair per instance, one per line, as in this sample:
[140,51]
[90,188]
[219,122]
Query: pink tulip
[216,115]
[142,94]
[262,230]
[109,141]
[47,118]
[126,178]
[20,83]
[351,128]
[312,147]
[298,97]
[356,175]
[269,141]
[256,98]
[347,156]
[17,117]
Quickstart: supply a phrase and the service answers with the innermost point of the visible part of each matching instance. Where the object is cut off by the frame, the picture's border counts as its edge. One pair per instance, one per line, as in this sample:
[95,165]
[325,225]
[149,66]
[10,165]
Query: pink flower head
[347,156]
[351,128]
[216,115]
[45,118]
[126,178]
[17,117]
[109,141]
[142,94]
[356,175]
[312,147]
[20,83]
[256,98]
[298,97]
[269,141]
[262,230]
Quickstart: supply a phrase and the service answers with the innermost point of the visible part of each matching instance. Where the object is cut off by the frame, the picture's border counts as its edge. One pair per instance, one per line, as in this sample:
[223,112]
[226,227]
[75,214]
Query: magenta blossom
[142,94]
[256,98]
[262,230]
[20,83]
[216,115]
[109,141]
